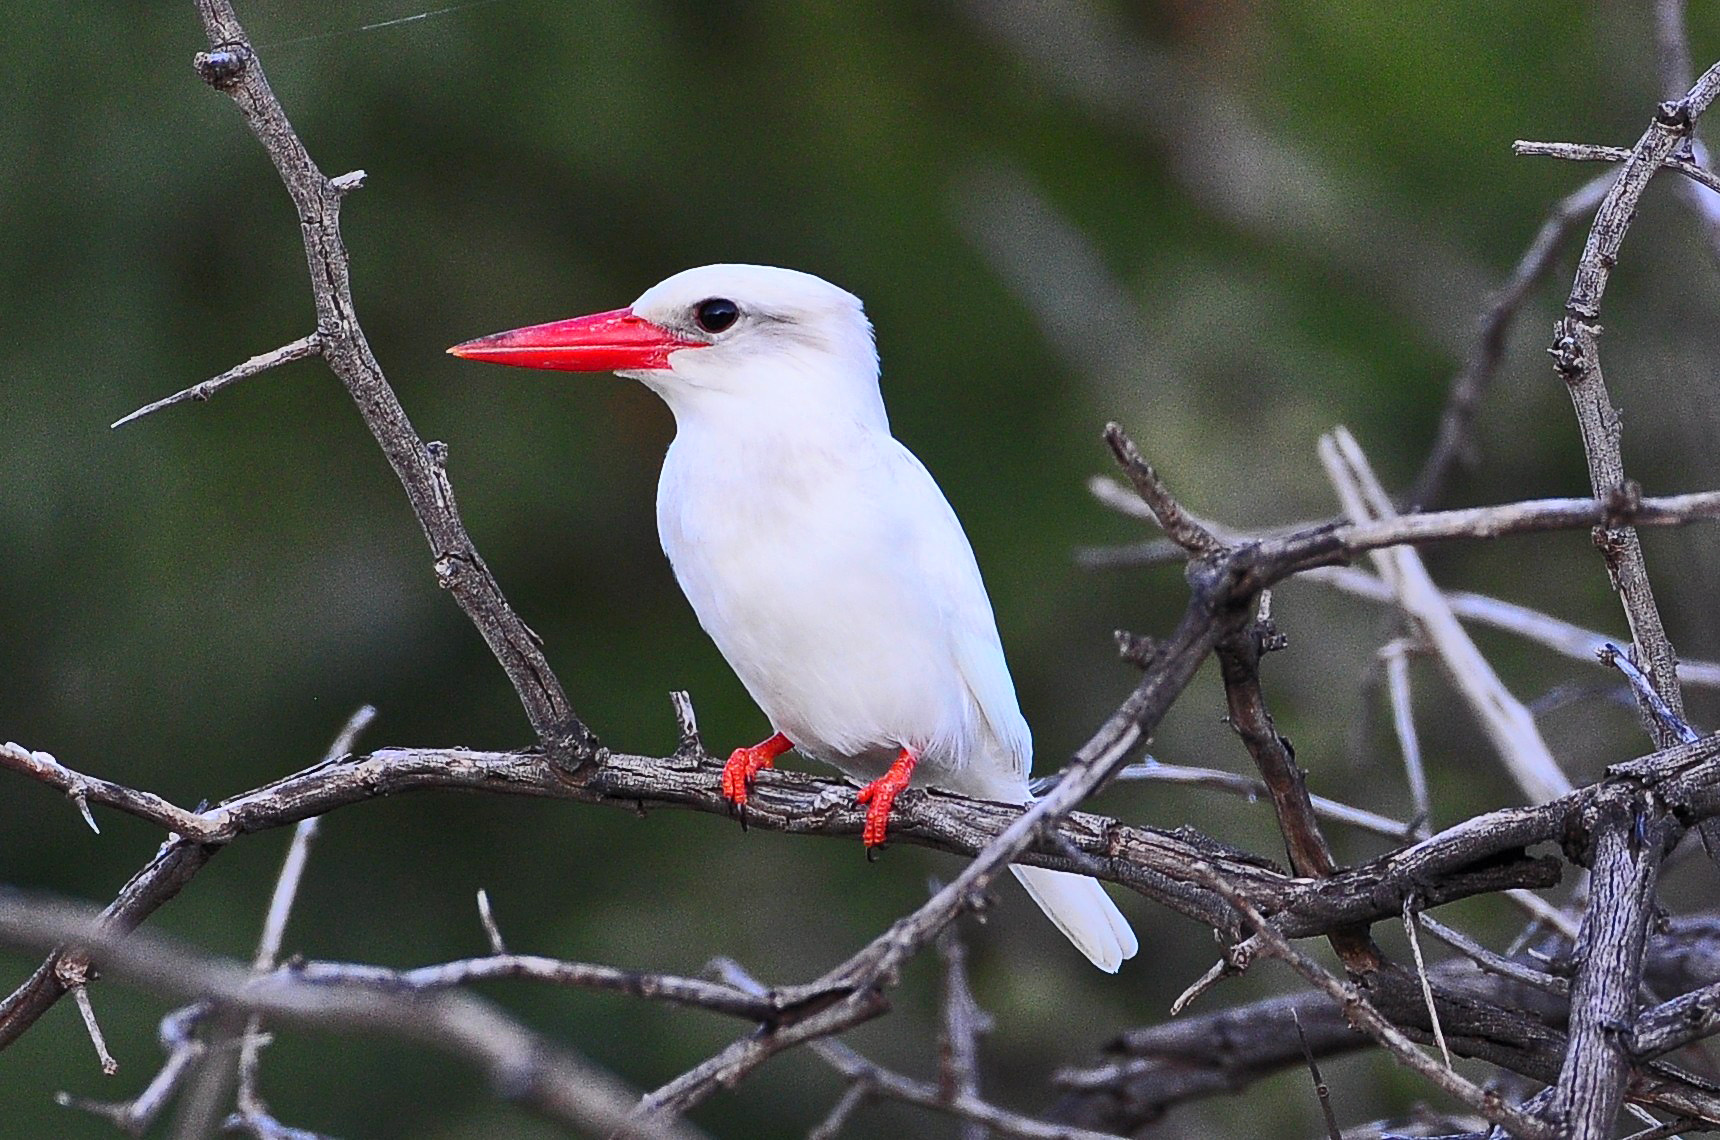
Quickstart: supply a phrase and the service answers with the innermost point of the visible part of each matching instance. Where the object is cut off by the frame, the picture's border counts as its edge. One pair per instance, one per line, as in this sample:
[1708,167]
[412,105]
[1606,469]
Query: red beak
[615,341]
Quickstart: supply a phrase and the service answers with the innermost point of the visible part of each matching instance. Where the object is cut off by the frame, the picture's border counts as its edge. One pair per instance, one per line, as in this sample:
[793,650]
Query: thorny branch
[1632,833]
[522,1064]
[231,65]
[1621,826]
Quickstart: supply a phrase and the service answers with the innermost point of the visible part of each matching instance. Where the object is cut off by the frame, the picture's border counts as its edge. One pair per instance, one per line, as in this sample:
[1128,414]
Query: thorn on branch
[296,350]
[82,799]
[487,918]
[81,995]
[690,747]
[1611,654]
[345,184]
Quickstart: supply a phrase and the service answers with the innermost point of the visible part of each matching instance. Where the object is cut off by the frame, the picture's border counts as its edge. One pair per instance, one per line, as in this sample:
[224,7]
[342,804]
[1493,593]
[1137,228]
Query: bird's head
[764,335]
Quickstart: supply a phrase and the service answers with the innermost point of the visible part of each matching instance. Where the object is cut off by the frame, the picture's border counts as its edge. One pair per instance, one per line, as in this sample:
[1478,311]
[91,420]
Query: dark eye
[716,314]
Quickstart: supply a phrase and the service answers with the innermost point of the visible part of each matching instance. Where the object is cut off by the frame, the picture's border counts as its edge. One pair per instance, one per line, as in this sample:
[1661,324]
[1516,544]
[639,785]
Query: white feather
[826,564]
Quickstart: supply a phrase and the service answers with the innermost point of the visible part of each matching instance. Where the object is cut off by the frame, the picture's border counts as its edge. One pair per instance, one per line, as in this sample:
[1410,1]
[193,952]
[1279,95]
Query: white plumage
[822,558]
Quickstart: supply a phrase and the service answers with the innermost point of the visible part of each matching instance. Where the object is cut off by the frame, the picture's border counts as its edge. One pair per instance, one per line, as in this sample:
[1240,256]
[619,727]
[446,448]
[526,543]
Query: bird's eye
[716,314]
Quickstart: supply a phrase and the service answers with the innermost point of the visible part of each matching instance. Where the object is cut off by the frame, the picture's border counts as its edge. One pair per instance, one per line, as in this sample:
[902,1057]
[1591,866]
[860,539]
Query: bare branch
[1576,355]
[1396,657]
[81,995]
[1633,834]
[1677,1023]
[877,1081]
[1151,862]
[487,919]
[1361,1013]
[1589,152]
[1421,975]
[231,65]
[1179,526]
[262,362]
[1455,440]
[1508,724]
[523,1065]
[1670,721]
[1159,772]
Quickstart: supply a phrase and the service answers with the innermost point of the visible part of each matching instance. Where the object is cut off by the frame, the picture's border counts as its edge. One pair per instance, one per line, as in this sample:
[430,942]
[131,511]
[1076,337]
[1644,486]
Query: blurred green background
[1227,225]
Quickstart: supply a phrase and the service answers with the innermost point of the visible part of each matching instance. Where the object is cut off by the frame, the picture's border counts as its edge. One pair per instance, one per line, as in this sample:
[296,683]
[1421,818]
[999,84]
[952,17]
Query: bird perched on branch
[817,551]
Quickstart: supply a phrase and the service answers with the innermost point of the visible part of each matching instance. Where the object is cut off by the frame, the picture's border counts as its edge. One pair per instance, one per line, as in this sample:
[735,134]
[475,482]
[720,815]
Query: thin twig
[487,919]
[1396,657]
[546,1076]
[1456,438]
[262,362]
[693,993]
[1361,1013]
[1179,526]
[1421,975]
[1491,962]
[1675,725]
[86,1010]
[1159,772]
[1507,722]
[1321,1092]
[1589,152]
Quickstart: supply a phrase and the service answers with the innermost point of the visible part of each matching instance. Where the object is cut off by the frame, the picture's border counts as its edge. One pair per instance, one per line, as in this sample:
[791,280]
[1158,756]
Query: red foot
[745,763]
[881,795]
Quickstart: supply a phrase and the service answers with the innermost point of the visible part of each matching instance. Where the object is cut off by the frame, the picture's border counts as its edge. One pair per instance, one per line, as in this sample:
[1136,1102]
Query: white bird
[817,551]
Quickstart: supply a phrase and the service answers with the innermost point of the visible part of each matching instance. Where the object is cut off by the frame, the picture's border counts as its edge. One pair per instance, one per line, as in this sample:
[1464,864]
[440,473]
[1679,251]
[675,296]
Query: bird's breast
[798,565]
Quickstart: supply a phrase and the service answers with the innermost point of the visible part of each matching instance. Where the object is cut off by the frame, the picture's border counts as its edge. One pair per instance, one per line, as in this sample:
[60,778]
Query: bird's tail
[1081,909]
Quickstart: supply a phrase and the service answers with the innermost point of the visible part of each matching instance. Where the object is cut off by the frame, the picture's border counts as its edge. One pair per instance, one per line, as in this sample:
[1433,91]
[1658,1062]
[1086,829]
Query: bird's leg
[880,795]
[745,763]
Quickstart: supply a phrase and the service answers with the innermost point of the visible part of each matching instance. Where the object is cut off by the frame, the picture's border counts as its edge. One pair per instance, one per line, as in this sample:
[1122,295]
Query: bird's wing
[945,562]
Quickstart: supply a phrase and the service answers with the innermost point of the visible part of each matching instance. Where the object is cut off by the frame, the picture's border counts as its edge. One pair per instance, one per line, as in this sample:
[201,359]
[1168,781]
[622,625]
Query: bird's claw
[880,796]
[745,763]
